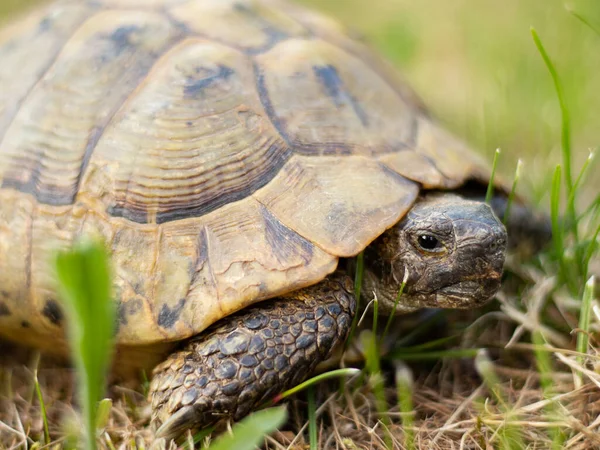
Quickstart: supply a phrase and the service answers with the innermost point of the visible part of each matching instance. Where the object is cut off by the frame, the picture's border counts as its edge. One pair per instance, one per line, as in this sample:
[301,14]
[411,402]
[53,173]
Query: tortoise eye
[429,243]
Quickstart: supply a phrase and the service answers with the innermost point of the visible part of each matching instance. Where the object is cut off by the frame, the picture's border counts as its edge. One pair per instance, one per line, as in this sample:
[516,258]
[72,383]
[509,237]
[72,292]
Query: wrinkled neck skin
[462,271]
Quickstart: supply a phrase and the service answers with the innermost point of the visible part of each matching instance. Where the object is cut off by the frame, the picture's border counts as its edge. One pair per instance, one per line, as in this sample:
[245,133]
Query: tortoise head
[450,251]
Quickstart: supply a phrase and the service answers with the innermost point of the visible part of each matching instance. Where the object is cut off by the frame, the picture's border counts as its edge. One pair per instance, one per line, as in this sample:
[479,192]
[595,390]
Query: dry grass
[453,407]
[21,419]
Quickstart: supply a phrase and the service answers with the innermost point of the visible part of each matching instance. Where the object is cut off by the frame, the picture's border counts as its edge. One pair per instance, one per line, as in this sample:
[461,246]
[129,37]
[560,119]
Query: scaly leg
[249,357]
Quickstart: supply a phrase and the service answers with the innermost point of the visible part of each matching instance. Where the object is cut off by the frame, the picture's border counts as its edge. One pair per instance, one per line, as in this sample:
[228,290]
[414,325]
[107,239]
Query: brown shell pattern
[227,151]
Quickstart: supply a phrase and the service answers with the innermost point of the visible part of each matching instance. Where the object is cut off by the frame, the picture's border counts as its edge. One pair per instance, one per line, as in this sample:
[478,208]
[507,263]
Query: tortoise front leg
[249,357]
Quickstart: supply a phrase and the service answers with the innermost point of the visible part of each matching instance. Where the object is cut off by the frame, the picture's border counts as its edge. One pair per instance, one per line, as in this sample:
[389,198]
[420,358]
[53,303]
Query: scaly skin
[251,356]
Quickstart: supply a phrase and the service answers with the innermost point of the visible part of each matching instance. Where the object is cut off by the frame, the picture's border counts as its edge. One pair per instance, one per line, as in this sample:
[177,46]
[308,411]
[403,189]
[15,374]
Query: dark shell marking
[329,77]
[4,310]
[169,316]
[53,312]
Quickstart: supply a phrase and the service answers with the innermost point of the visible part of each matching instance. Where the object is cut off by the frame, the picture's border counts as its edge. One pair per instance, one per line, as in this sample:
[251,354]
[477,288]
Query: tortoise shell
[226,150]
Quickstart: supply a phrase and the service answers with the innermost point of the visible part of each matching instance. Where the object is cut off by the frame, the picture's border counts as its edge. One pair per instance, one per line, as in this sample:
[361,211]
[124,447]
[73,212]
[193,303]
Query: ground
[511,375]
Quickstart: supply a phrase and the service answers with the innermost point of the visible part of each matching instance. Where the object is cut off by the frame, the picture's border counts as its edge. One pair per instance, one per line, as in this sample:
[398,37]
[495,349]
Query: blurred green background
[8,7]
[476,66]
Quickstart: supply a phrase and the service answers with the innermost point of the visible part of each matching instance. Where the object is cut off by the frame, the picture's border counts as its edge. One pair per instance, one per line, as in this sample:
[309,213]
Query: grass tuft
[508,435]
[545,369]
[369,343]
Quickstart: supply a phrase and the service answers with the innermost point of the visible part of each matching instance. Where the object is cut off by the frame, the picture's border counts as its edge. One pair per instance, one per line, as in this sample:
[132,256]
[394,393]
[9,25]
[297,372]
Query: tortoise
[230,153]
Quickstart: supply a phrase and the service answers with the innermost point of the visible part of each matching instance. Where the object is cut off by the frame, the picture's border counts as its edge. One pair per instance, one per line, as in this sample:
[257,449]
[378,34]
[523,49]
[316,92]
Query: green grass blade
[565,132]
[404,389]
[396,302]
[583,20]
[369,344]
[312,419]
[584,324]
[199,437]
[104,409]
[591,250]
[543,362]
[375,317]
[557,229]
[317,379]
[513,190]
[510,435]
[373,365]
[109,442]
[43,411]
[490,188]
[429,356]
[84,279]
[592,210]
[545,369]
[582,174]
[248,433]
[358,276]
[580,254]
[585,249]
[432,344]
[431,319]
[566,125]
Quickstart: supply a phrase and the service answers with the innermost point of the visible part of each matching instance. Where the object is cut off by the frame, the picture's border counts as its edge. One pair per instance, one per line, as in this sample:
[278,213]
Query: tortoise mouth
[469,293]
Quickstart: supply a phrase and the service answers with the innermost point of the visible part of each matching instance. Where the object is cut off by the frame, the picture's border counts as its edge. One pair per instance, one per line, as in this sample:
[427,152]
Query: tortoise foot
[249,357]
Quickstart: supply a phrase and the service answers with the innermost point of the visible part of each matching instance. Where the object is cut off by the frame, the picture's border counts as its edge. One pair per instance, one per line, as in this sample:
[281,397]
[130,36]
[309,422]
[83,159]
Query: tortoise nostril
[497,243]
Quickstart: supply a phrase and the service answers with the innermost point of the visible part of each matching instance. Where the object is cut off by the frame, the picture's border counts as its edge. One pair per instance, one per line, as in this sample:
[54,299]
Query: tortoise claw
[176,424]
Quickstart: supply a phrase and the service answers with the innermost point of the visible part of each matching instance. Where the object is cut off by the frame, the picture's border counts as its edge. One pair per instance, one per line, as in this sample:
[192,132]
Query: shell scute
[339,213]
[48,144]
[190,140]
[28,49]
[325,101]
[249,25]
